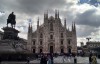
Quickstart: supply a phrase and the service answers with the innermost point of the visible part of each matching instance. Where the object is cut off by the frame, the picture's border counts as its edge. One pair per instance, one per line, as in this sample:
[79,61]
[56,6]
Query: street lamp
[88,39]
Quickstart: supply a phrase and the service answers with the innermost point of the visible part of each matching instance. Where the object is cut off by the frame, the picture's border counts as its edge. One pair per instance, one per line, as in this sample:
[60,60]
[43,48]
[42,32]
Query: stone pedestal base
[10,33]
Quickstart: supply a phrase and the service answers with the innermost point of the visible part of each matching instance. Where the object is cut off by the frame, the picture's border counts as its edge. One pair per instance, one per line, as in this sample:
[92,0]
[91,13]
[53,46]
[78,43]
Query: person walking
[49,60]
[51,56]
[75,60]
[64,59]
[94,60]
[45,60]
[42,60]
[28,60]
[90,58]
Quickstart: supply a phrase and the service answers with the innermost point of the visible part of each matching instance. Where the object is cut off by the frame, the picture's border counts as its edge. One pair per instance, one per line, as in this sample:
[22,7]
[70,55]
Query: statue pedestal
[10,33]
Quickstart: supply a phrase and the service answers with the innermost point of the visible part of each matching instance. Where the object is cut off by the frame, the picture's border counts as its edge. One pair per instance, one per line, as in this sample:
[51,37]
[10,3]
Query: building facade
[1,35]
[92,44]
[52,36]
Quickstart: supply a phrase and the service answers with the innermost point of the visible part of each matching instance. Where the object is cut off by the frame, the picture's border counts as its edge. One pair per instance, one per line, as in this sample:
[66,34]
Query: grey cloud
[84,30]
[89,17]
[31,6]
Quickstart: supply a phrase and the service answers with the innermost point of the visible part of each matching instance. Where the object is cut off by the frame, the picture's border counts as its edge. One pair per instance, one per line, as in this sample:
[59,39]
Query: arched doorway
[61,49]
[34,50]
[51,47]
[40,49]
[69,49]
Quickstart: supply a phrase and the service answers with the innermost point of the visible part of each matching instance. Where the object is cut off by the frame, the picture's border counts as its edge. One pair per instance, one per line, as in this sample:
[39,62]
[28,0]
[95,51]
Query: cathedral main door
[51,49]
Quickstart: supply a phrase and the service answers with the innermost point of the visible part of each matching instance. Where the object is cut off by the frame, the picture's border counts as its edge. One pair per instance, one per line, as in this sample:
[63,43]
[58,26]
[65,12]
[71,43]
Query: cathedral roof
[51,18]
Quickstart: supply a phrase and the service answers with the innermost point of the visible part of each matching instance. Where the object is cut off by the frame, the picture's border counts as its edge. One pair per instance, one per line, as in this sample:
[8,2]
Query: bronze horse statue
[11,20]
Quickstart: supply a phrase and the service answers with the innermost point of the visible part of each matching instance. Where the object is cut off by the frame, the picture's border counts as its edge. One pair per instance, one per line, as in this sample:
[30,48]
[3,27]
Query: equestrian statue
[11,20]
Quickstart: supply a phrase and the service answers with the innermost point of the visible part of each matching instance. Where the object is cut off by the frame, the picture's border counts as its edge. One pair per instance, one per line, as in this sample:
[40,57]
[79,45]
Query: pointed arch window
[34,42]
[41,50]
[69,41]
[34,50]
[62,50]
[41,35]
[61,35]
[41,42]
[51,26]
[61,42]
[51,36]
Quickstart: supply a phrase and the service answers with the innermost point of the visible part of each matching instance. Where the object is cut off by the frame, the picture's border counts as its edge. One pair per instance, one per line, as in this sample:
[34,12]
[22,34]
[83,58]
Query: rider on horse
[11,20]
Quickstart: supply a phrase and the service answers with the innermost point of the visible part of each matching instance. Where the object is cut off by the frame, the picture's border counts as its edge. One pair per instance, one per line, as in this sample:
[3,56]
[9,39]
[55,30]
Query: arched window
[41,42]
[41,35]
[33,50]
[62,50]
[69,40]
[51,27]
[33,42]
[61,42]
[61,35]
[40,50]
[51,36]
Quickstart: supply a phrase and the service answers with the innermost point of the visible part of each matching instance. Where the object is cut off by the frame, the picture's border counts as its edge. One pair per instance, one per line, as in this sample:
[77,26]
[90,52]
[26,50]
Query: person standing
[75,60]
[90,58]
[45,60]
[49,60]
[64,58]
[94,60]
[52,59]
[28,60]
[42,60]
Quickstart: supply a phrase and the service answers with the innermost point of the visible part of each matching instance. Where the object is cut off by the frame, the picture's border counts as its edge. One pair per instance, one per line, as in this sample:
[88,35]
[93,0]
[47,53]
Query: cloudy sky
[86,14]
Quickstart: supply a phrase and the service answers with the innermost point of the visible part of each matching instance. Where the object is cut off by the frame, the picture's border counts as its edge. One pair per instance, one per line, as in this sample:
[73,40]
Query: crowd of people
[47,59]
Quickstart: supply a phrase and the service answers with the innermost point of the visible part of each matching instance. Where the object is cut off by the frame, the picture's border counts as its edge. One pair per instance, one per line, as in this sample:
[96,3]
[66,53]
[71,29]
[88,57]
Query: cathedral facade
[52,36]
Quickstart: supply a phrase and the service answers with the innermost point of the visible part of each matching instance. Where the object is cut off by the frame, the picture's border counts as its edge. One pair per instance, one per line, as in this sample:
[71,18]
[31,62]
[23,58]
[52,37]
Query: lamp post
[88,39]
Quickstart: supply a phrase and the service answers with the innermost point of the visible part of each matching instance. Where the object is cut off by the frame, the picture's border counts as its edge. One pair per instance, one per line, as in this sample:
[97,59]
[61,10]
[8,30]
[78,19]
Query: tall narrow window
[62,50]
[61,42]
[33,42]
[61,35]
[68,41]
[41,42]
[33,50]
[40,50]
[51,27]
[51,36]
[41,35]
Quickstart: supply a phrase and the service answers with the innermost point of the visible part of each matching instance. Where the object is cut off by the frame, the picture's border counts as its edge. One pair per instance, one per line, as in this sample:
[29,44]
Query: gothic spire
[47,14]
[58,14]
[55,13]
[44,14]
[38,23]
[65,22]
[29,28]
[72,26]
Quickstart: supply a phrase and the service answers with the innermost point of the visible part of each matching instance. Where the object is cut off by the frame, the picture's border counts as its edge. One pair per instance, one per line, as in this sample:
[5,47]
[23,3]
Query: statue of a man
[11,19]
